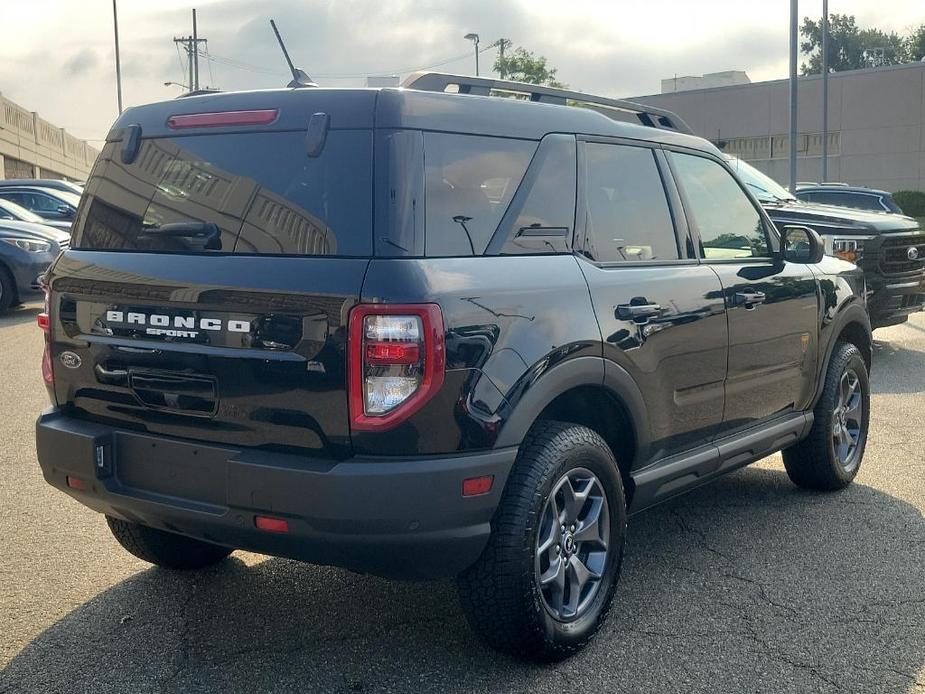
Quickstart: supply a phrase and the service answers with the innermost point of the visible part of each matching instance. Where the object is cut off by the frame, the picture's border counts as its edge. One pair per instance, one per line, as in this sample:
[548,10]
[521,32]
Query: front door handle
[749,299]
[638,312]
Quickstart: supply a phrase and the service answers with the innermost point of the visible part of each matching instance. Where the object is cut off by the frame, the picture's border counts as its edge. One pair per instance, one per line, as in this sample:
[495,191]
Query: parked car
[889,247]
[10,211]
[473,363]
[857,197]
[49,204]
[26,251]
[50,183]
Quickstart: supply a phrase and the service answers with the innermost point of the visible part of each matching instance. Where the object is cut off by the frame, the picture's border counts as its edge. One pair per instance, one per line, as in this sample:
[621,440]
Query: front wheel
[165,549]
[544,583]
[7,290]
[830,457]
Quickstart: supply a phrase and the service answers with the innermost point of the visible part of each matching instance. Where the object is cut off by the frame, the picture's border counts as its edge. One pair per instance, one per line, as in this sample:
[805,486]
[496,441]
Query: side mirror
[65,211]
[802,245]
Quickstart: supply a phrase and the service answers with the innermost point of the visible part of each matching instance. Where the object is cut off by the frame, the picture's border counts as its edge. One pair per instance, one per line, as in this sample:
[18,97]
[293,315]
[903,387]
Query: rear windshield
[247,193]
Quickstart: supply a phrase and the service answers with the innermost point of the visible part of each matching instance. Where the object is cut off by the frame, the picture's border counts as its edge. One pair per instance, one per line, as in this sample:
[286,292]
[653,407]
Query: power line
[241,65]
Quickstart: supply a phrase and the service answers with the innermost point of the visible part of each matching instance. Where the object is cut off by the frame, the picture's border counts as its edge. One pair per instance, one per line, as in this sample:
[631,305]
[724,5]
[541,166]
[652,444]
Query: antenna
[299,78]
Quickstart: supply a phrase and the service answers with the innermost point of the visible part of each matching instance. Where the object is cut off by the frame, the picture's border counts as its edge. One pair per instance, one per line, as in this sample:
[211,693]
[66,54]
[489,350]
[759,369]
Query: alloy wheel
[847,419]
[572,544]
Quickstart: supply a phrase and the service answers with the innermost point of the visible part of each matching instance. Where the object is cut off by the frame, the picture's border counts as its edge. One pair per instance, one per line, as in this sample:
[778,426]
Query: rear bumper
[392,517]
[893,299]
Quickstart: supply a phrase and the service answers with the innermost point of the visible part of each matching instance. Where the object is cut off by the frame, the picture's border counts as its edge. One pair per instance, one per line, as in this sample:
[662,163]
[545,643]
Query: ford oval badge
[70,360]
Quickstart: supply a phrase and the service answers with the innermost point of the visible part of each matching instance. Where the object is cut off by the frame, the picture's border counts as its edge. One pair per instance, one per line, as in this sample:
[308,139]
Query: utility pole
[503,44]
[191,46]
[825,90]
[794,29]
[195,53]
[115,26]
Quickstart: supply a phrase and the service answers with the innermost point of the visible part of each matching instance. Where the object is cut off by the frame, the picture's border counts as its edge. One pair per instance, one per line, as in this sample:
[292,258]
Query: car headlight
[30,245]
[850,248]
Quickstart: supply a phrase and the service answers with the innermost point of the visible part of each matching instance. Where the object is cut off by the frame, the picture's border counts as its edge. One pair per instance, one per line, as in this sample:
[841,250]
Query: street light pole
[115,27]
[825,90]
[794,23]
[475,41]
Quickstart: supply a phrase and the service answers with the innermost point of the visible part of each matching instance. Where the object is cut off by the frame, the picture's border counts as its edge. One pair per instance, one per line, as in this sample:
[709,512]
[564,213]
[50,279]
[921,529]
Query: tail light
[44,322]
[396,362]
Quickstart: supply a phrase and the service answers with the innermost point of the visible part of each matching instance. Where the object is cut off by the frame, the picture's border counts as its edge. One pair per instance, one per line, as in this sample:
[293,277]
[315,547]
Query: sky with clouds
[57,58]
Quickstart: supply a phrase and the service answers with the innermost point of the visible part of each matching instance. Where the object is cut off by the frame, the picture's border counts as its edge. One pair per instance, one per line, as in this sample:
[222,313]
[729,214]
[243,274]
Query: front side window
[628,218]
[469,182]
[730,227]
[43,203]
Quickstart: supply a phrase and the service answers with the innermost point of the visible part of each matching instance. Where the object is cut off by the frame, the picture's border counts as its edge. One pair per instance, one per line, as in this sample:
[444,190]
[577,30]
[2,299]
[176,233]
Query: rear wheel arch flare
[601,410]
[579,372]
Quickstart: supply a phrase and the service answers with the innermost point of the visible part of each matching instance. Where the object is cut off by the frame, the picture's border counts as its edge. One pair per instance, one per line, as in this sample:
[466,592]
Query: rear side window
[628,218]
[246,193]
[730,227]
[469,182]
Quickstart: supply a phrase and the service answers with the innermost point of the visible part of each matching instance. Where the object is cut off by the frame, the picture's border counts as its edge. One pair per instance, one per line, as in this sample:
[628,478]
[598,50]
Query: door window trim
[770,229]
[682,230]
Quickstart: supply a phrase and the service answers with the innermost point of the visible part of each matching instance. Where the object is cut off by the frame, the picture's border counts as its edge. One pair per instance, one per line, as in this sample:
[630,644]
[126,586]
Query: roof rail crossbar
[617,109]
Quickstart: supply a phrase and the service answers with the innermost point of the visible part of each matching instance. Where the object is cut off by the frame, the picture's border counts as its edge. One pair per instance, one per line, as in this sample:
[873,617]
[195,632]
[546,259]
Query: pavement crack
[699,535]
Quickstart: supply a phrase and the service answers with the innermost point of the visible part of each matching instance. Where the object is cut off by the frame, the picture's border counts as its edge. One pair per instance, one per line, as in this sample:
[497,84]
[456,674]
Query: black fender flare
[580,371]
[853,313]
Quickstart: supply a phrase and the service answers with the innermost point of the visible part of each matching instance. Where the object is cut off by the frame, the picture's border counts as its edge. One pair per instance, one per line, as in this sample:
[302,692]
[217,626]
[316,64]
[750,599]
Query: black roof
[401,108]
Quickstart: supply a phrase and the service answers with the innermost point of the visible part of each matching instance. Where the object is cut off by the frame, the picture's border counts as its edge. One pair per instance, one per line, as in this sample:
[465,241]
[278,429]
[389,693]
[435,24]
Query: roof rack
[616,109]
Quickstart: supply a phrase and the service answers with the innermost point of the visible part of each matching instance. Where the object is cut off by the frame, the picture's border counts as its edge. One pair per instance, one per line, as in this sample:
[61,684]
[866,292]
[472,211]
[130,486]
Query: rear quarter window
[469,182]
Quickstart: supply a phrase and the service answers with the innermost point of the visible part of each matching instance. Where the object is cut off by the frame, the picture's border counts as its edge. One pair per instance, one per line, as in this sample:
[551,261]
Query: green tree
[850,47]
[522,65]
[915,46]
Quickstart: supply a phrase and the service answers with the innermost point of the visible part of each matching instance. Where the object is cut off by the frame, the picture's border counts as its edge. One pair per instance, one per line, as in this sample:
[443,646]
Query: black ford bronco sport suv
[422,333]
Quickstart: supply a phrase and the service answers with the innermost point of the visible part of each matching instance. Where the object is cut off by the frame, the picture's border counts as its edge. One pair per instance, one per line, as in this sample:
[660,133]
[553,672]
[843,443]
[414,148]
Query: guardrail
[31,133]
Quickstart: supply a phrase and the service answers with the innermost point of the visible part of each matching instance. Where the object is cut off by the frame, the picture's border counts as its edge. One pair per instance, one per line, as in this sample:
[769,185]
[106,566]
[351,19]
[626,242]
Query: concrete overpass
[31,147]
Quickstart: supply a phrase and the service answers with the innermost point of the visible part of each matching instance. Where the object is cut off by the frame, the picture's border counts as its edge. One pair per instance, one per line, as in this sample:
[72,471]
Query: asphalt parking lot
[747,585]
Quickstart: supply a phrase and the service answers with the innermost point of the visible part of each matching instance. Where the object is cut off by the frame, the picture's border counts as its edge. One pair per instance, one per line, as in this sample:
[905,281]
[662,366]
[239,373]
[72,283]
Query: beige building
[876,125]
[31,147]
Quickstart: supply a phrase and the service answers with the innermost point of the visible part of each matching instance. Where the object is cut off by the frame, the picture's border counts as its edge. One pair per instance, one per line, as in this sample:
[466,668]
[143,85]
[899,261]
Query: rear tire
[7,290]
[830,457]
[165,549]
[514,596]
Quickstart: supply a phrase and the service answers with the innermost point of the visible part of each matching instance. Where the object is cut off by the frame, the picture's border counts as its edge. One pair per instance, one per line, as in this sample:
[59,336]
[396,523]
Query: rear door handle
[749,299]
[638,312]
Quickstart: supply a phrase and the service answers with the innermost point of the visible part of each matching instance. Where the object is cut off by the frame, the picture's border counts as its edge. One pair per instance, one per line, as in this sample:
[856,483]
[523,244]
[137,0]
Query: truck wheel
[829,458]
[165,549]
[544,583]
[7,290]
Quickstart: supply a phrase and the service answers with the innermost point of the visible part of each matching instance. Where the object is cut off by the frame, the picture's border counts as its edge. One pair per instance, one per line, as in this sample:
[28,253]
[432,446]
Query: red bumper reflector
[77,483]
[222,119]
[476,486]
[42,321]
[271,525]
